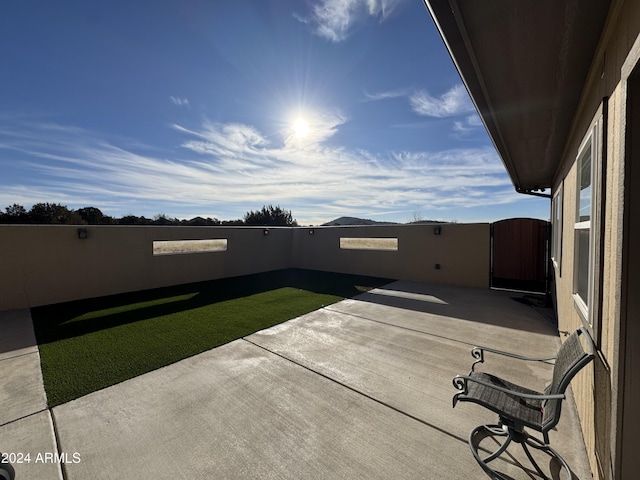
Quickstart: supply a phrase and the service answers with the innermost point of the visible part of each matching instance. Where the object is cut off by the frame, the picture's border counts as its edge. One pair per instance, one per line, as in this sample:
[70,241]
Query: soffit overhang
[524,63]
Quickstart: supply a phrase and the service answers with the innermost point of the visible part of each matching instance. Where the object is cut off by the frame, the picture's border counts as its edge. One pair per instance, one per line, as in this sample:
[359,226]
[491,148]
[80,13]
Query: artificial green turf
[90,344]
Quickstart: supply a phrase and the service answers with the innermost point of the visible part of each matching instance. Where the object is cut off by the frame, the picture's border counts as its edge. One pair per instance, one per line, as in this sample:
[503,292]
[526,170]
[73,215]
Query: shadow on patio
[359,389]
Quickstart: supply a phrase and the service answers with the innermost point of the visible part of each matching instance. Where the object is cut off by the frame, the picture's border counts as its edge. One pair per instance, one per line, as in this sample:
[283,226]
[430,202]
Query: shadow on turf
[59,321]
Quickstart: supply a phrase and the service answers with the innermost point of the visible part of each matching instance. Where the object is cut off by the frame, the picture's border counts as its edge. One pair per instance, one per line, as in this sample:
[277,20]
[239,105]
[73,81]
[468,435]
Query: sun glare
[300,128]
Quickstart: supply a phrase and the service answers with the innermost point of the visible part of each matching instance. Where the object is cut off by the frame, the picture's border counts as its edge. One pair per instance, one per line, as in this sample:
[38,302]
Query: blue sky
[213,108]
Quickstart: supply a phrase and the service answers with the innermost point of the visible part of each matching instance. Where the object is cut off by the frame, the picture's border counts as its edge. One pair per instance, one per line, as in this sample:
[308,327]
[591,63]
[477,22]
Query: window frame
[557,228]
[585,307]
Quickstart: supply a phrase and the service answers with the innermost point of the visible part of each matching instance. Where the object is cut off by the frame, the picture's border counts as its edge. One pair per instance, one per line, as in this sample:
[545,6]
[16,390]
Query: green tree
[92,215]
[233,223]
[53,213]
[133,220]
[270,216]
[162,219]
[14,214]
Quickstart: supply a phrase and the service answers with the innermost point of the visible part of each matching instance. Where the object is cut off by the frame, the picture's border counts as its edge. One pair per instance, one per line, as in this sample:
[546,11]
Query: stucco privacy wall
[596,389]
[462,252]
[49,264]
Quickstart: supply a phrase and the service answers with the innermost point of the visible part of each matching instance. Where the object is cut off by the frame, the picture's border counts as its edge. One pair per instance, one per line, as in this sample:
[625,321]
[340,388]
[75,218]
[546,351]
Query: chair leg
[6,471]
[496,430]
[523,438]
[533,462]
[546,448]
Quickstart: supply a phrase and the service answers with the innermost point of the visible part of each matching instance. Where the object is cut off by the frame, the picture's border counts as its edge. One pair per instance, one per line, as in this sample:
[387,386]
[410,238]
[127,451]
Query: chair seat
[526,411]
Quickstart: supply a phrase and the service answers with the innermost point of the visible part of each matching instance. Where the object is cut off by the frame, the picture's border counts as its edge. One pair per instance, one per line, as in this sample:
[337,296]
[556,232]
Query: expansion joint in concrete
[63,470]
[359,392]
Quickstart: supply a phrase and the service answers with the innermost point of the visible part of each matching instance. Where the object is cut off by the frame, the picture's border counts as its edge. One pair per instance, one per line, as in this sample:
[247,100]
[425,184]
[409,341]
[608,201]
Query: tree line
[57,214]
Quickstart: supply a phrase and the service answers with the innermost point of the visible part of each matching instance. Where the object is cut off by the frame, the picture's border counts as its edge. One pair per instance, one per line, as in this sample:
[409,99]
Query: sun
[300,127]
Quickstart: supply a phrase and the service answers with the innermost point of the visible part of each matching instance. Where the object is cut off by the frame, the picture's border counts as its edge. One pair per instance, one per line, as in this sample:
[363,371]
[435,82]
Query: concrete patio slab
[472,315]
[31,446]
[384,350]
[242,412]
[402,368]
[21,387]
[16,333]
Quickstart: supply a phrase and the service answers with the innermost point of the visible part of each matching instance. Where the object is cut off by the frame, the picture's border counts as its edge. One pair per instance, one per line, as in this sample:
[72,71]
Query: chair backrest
[572,357]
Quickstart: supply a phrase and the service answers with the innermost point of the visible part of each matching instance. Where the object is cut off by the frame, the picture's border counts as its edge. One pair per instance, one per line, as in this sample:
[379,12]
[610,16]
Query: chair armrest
[460,382]
[478,354]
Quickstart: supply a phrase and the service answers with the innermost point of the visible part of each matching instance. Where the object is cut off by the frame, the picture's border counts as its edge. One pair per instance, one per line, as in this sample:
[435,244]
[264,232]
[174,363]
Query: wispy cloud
[179,101]
[230,168]
[454,102]
[464,128]
[400,92]
[334,19]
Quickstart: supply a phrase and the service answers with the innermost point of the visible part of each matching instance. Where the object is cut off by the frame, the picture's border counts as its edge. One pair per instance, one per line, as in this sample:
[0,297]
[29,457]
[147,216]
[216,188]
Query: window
[388,244]
[178,247]
[583,241]
[556,225]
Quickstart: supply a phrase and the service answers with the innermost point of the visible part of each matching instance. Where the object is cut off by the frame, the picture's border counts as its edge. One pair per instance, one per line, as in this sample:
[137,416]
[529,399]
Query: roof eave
[524,76]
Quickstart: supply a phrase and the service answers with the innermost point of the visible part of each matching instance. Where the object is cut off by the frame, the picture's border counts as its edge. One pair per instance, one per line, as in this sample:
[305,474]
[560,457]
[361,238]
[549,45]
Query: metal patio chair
[519,407]
[6,470]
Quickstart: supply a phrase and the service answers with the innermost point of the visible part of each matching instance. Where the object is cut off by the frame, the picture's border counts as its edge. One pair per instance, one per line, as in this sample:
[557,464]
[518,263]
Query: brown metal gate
[519,254]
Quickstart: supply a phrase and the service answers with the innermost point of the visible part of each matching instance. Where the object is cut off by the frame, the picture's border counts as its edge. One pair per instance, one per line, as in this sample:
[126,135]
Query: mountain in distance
[364,221]
[354,221]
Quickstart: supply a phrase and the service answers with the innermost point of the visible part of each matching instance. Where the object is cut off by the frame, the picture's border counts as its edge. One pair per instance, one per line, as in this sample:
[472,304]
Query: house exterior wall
[598,389]
[44,264]
[629,398]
